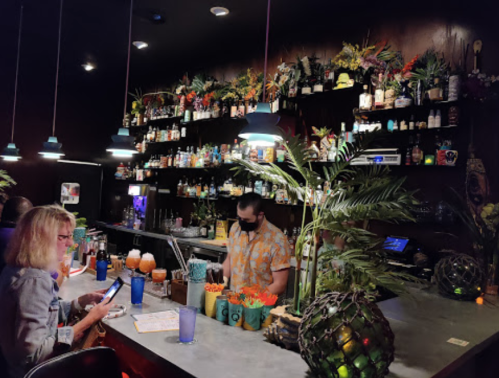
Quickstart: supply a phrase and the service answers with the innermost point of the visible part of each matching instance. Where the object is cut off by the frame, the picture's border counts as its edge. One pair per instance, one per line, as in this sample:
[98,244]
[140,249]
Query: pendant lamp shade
[122,145]
[11,153]
[52,149]
[262,127]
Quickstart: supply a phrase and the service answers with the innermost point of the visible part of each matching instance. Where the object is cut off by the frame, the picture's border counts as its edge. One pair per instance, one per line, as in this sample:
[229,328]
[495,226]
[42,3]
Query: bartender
[258,252]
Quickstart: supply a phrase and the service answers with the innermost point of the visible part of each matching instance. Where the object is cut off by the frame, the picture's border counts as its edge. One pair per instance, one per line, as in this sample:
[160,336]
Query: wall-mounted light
[140,44]
[219,11]
[88,66]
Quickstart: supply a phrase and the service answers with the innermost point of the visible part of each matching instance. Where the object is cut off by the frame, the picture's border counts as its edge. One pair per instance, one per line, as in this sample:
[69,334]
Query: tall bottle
[101,262]
[199,188]
[365,100]
[379,94]
[417,153]
[236,151]
[343,136]
[331,155]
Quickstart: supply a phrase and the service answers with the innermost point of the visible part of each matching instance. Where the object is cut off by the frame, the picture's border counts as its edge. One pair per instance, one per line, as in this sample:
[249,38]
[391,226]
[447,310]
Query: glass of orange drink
[147,263]
[133,260]
[158,276]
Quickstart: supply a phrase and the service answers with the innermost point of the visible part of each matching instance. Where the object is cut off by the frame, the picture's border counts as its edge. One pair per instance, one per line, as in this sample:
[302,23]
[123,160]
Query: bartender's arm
[226,268]
[279,282]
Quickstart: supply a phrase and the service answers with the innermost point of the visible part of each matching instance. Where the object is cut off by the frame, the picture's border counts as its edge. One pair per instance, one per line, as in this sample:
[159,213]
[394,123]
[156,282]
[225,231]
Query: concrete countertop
[422,324]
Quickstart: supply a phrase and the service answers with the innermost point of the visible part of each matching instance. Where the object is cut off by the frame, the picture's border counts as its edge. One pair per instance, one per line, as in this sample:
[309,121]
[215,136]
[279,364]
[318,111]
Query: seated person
[13,209]
[31,310]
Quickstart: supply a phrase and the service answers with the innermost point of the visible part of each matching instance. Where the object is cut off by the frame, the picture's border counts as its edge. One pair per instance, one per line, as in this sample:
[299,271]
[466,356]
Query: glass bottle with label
[365,100]
[343,136]
[379,94]
[331,155]
[417,153]
[183,131]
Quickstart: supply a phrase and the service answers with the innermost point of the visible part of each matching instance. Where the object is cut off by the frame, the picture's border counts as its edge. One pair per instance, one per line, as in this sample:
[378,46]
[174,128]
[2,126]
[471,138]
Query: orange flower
[190,96]
[214,288]
[251,94]
[207,99]
[234,298]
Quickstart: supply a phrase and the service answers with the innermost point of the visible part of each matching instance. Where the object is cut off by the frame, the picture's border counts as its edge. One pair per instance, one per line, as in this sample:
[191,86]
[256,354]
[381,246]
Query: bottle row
[155,135]
[385,98]
[424,153]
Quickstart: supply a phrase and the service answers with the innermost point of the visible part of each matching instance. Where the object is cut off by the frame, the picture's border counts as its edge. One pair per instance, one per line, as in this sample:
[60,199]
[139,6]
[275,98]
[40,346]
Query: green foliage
[358,195]
[80,222]
[204,213]
[6,181]
[428,67]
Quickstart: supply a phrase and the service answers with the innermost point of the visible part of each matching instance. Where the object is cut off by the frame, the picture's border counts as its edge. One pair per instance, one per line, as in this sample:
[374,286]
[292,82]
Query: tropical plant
[204,214]
[5,181]
[428,67]
[357,196]
[484,230]
[80,222]
[139,105]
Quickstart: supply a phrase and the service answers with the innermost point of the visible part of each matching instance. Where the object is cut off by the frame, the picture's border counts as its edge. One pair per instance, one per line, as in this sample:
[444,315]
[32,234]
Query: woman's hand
[100,310]
[91,298]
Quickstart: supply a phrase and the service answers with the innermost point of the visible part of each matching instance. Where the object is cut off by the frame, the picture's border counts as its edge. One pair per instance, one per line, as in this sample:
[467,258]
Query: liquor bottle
[194,158]
[418,94]
[168,134]
[319,86]
[417,154]
[438,119]
[319,195]
[408,156]
[241,111]
[206,190]
[233,109]
[193,189]
[144,145]
[365,100]
[157,137]
[199,188]
[178,157]
[149,134]
[228,155]
[183,131]
[379,94]
[236,151]
[342,139]
[169,159]
[213,189]
[436,92]
[431,119]
[249,187]
[101,262]
[228,186]
[411,123]
[216,157]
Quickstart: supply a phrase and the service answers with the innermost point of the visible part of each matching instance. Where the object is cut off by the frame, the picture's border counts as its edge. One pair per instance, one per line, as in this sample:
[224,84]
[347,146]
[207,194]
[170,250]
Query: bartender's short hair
[253,200]
[34,241]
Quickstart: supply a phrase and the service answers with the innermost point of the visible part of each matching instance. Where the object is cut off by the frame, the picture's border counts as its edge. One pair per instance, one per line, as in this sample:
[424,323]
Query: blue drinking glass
[137,289]
[187,323]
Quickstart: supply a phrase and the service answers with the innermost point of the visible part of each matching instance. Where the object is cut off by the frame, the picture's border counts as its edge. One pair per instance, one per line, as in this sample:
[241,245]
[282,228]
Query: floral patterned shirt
[252,262]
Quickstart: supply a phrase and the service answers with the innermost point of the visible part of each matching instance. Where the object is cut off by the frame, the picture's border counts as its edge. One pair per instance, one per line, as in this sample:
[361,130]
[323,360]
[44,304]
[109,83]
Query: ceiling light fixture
[52,148]
[11,153]
[262,127]
[88,66]
[219,11]
[122,145]
[140,44]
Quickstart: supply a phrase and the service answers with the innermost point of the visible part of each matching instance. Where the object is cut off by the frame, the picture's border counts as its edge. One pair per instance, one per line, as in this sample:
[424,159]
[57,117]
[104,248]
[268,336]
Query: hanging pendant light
[122,145]
[11,153]
[52,148]
[262,127]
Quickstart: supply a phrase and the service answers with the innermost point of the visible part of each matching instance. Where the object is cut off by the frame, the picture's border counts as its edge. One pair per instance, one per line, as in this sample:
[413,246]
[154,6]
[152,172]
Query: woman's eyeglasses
[65,237]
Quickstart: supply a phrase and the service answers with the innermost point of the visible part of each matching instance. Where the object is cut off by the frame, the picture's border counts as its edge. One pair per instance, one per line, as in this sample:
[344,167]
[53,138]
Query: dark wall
[91,103]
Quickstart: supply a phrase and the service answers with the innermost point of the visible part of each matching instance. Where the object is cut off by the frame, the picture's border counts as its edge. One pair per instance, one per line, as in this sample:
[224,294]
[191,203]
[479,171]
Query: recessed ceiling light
[219,11]
[88,66]
[140,44]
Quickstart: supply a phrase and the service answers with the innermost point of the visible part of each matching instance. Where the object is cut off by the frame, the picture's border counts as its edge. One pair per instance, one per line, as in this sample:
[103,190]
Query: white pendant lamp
[52,148]
[123,144]
[262,127]
[11,153]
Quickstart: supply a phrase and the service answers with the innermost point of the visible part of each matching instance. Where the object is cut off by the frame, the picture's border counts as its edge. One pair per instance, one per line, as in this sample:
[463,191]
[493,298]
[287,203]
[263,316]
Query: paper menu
[157,322]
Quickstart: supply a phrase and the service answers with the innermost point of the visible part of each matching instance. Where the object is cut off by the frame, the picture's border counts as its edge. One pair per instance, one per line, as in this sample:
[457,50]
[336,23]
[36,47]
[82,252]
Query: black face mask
[248,226]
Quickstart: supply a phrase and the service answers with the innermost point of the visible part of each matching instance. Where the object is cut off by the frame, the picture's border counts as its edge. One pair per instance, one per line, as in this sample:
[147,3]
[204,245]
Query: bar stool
[99,362]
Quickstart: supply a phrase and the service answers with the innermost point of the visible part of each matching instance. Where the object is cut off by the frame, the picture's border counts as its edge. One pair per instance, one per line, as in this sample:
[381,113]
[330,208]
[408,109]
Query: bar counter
[422,325]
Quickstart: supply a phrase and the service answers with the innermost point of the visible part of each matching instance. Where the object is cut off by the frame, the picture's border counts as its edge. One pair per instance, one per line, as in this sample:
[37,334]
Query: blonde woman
[31,311]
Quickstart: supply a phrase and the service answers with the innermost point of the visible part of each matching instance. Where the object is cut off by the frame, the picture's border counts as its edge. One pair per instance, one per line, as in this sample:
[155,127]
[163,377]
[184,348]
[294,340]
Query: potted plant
[80,228]
[356,196]
[139,106]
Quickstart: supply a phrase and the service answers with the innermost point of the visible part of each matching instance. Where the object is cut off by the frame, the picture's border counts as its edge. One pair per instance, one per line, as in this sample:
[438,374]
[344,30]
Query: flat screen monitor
[395,244]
